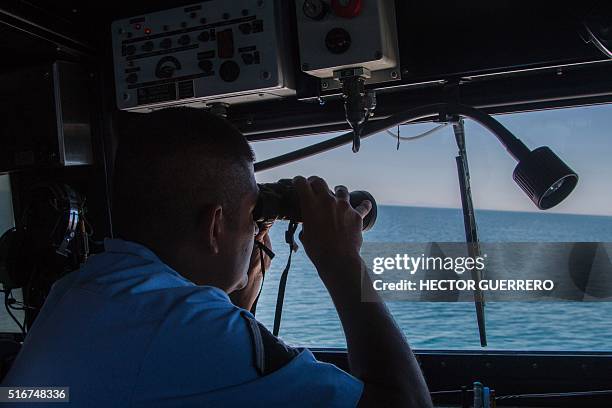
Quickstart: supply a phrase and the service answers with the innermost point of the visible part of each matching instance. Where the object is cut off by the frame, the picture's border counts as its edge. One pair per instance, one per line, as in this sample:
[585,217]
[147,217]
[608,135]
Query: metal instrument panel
[330,40]
[211,51]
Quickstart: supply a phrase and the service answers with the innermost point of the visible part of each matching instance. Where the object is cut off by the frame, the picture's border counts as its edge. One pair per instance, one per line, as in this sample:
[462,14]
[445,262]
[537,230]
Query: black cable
[416,137]
[263,249]
[289,239]
[13,302]
[8,310]
[263,275]
[6,233]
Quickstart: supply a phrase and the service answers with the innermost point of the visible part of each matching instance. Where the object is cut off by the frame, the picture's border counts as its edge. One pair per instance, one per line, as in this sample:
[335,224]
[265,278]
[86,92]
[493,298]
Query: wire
[419,136]
[6,233]
[597,42]
[20,305]
[448,392]
[557,395]
[570,394]
[262,265]
[8,309]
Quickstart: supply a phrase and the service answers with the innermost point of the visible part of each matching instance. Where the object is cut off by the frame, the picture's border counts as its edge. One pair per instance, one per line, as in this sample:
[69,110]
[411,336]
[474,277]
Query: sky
[423,172]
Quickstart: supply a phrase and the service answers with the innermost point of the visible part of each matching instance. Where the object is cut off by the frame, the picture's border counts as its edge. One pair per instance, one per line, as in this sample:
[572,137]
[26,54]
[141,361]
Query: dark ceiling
[436,38]
[442,25]
[439,40]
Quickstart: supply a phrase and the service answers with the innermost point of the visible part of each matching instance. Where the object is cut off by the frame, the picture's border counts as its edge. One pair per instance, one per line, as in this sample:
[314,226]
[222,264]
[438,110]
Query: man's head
[183,185]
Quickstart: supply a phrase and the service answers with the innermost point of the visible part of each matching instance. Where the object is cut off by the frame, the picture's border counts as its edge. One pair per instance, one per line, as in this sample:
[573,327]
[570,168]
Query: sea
[309,318]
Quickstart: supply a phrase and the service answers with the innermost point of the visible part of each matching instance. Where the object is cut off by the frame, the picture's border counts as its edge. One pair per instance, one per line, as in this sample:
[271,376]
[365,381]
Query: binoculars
[279,201]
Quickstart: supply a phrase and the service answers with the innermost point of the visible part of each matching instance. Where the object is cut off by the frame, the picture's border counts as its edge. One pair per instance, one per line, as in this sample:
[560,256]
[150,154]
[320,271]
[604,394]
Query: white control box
[213,51]
[338,34]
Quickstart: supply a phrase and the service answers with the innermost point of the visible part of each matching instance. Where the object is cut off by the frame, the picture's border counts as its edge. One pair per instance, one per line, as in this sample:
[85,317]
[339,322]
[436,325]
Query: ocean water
[309,318]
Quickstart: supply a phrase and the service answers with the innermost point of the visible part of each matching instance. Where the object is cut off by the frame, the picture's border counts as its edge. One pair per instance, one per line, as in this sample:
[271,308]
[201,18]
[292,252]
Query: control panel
[339,34]
[213,51]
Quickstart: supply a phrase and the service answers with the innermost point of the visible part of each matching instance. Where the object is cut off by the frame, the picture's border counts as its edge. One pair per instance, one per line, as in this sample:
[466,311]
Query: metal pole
[469,220]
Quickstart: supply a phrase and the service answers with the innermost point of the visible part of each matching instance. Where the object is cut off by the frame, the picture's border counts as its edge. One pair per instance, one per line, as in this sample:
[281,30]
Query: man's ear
[212,227]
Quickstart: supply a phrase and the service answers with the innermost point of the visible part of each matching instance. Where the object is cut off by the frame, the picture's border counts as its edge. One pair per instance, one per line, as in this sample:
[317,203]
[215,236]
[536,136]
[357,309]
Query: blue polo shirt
[128,330]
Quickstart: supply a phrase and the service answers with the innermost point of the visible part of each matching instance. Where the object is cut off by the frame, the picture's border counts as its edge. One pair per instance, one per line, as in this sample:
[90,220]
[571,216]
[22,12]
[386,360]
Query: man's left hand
[245,297]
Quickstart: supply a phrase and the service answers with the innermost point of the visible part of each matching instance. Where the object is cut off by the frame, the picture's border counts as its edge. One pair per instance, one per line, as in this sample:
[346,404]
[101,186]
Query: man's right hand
[331,231]
[377,350]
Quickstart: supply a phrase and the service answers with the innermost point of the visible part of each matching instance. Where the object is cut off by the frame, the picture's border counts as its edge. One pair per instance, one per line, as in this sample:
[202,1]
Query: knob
[167,66]
[338,40]
[130,50]
[315,9]
[204,36]
[184,39]
[229,71]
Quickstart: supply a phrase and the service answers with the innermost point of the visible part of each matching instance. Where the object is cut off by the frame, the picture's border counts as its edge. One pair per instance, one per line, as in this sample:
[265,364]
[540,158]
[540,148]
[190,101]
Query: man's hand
[246,296]
[331,231]
[377,350]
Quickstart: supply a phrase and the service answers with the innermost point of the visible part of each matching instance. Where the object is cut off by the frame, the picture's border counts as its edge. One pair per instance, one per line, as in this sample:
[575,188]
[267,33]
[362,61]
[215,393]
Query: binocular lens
[358,197]
[279,201]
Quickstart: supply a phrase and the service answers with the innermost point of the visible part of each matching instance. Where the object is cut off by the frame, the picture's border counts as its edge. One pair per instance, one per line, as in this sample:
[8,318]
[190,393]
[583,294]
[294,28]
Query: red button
[346,8]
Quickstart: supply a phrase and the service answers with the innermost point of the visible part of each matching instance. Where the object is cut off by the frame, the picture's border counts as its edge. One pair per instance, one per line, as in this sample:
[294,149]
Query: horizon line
[492,209]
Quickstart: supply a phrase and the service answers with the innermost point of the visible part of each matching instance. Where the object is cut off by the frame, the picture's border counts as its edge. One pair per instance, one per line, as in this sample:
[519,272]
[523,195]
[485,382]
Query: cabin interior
[70,67]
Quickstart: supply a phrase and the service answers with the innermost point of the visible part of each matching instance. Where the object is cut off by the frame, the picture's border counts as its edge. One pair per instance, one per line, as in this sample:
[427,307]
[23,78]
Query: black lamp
[544,178]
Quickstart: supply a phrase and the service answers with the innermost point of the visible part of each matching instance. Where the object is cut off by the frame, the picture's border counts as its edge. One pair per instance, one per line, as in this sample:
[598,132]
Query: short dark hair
[170,162]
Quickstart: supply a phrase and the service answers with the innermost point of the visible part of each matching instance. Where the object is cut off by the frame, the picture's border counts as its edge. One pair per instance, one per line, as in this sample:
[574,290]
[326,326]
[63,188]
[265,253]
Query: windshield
[7,324]
[416,187]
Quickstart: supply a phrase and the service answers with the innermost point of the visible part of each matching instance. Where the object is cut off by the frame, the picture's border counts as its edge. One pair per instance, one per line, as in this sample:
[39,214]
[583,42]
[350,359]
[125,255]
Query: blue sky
[423,172]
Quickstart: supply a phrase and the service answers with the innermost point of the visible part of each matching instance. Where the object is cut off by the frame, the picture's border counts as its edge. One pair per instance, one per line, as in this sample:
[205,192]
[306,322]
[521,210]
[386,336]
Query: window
[418,195]
[7,222]
[6,205]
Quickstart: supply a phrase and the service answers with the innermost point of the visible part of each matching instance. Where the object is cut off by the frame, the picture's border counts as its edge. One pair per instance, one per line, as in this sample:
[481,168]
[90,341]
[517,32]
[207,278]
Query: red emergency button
[346,8]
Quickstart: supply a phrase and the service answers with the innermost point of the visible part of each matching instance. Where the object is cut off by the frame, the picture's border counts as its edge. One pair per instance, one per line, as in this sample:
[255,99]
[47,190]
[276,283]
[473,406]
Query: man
[149,323]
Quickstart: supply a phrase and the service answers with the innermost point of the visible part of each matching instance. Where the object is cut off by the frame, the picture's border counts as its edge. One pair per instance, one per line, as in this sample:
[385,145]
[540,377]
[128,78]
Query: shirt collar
[129,247]
[116,245]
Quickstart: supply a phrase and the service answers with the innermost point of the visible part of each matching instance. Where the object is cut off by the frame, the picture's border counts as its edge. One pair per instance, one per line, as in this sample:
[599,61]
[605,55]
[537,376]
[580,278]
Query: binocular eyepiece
[279,201]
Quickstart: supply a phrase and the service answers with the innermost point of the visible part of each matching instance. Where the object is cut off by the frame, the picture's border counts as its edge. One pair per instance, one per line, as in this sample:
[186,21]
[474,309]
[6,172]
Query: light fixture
[545,178]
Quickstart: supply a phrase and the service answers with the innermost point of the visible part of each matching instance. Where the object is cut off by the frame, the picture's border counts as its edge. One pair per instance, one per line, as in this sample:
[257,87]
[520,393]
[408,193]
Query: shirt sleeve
[309,383]
[303,382]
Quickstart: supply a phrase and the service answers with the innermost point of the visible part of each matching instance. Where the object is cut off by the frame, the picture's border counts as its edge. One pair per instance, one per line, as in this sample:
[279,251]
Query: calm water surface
[309,318]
